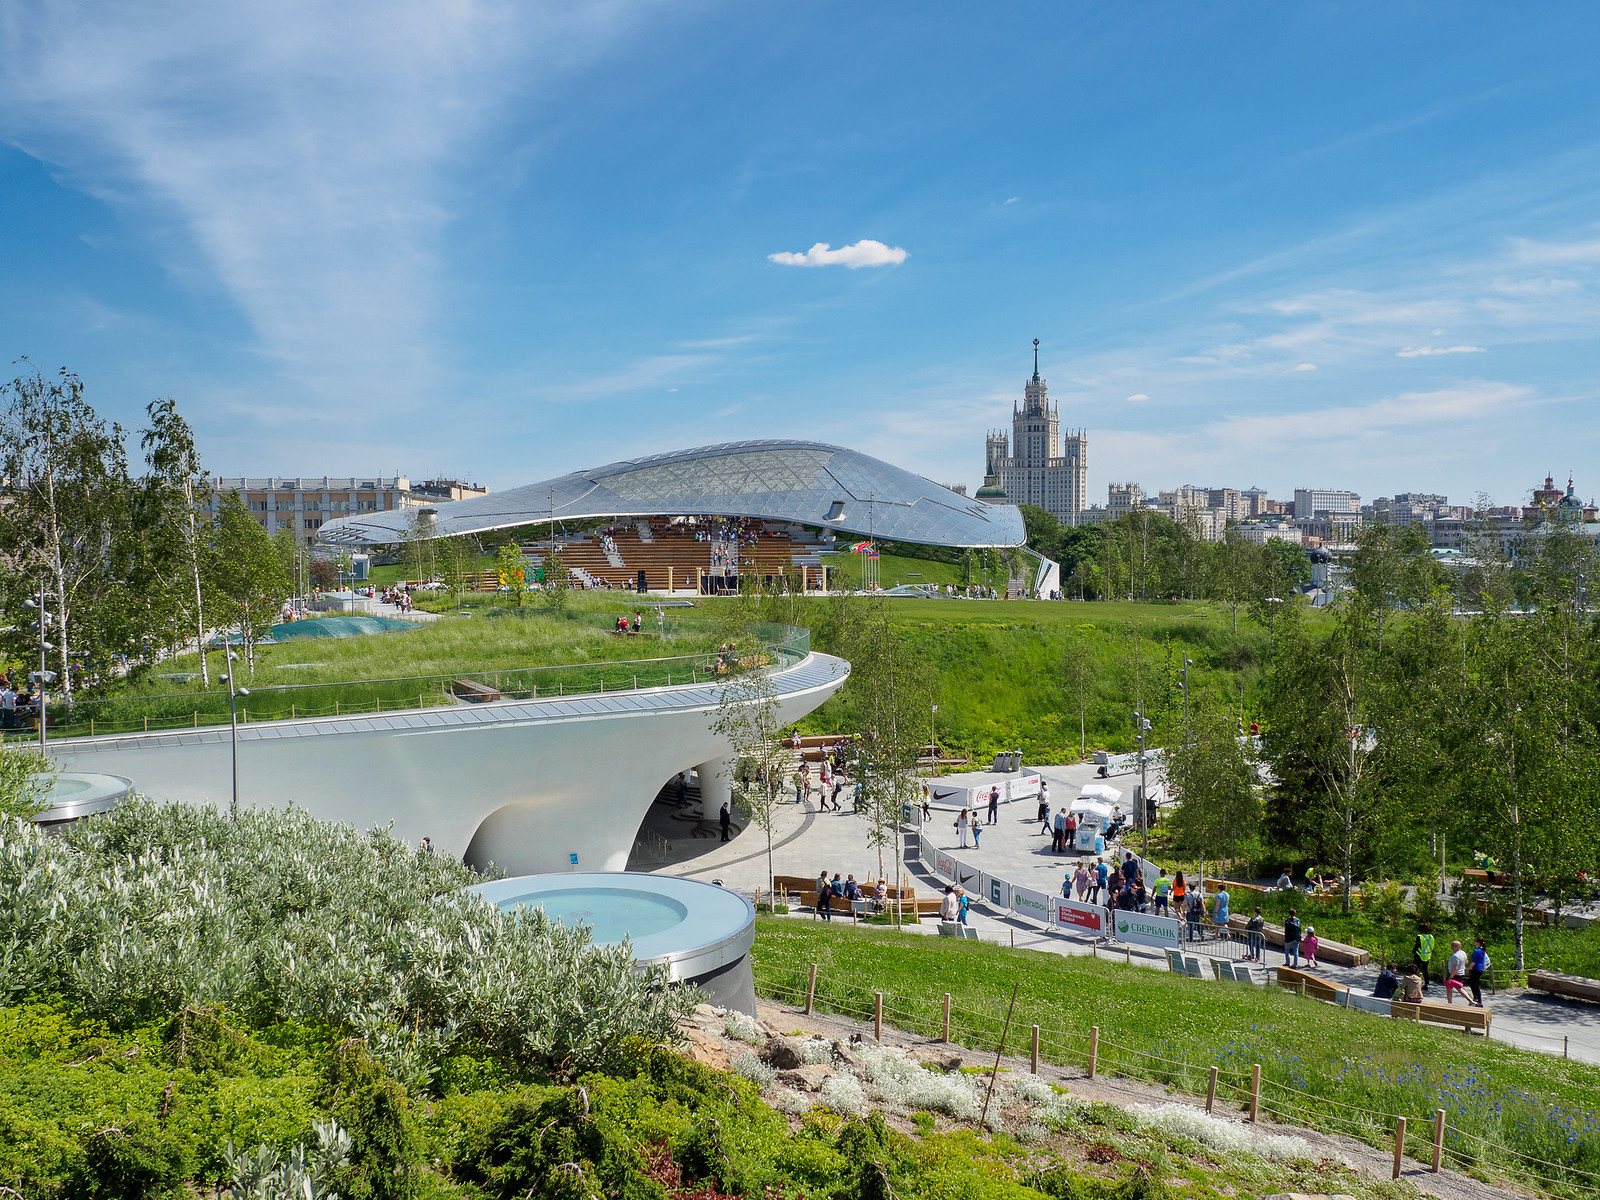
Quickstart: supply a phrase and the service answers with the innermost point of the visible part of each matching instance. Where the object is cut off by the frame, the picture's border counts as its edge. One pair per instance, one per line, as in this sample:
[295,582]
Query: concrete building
[1229,500]
[304,503]
[1259,533]
[1122,499]
[1036,463]
[1309,502]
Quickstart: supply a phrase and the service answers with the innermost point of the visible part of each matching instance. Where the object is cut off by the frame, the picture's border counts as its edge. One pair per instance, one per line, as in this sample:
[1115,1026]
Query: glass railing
[768,645]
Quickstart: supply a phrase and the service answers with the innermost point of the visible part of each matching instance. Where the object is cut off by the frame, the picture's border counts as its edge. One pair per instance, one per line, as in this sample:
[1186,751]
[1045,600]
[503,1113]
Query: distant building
[1309,502]
[304,502]
[1259,533]
[1122,499]
[1037,464]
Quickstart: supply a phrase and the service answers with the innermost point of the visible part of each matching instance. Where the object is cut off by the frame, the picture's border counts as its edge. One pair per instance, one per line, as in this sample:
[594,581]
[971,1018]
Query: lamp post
[233,724]
[933,751]
[1142,809]
[44,669]
[1187,663]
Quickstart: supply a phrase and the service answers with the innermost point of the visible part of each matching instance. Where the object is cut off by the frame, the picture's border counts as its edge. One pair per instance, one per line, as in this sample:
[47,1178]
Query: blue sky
[1309,245]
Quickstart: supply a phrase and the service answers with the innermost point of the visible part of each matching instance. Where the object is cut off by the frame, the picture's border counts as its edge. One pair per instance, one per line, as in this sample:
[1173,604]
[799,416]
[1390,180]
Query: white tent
[1100,791]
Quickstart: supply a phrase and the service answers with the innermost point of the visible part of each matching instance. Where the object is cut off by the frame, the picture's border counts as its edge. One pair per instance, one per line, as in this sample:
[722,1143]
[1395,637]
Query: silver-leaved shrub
[144,910]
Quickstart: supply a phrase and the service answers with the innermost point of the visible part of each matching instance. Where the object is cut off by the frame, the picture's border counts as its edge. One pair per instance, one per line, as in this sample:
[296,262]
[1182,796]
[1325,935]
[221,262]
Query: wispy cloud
[865,253]
[1306,367]
[297,158]
[1137,397]
[1433,351]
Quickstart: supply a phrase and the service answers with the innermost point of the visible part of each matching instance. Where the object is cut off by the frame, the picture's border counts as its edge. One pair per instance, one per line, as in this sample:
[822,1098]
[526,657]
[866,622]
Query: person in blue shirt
[1219,907]
[1388,982]
[1476,966]
[1101,876]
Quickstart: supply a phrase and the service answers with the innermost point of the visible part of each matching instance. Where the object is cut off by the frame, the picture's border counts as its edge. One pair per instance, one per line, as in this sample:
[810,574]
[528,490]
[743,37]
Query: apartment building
[303,502]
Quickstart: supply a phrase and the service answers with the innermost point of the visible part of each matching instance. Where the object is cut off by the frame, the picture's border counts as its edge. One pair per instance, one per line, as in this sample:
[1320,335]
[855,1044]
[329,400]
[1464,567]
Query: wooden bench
[1334,952]
[473,692]
[1467,1017]
[1487,878]
[1557,984]
[1530,915]
[1215,885]
[1304,982]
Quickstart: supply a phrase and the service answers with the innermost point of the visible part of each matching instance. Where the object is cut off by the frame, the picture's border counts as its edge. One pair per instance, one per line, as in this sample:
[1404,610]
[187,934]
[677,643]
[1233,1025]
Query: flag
[860,547]
[873,552]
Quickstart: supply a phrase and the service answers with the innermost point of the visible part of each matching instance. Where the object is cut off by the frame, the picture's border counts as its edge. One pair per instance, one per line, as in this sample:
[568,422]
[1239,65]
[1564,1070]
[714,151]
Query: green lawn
[1171,1029]
[513,650]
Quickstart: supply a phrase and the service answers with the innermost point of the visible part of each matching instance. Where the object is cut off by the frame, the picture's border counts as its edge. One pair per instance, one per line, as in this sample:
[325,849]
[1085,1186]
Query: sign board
[944,866]
[1020,788]
[997,892]
[1143,929]
[1026,902]
[969,877]
[1084,918]
[957,796]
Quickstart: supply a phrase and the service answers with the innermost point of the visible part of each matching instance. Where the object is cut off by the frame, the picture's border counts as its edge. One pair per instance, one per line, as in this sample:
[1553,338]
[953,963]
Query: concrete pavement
[806,841]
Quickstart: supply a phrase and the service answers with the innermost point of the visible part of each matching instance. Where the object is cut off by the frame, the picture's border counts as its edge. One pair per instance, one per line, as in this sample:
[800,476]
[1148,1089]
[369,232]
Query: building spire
[1036,360]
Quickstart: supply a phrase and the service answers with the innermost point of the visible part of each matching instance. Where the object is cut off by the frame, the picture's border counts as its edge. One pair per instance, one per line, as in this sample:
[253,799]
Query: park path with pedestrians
[806,841]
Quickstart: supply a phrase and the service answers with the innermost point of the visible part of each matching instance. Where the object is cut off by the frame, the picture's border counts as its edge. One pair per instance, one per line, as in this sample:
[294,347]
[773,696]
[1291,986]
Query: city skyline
[1349,249]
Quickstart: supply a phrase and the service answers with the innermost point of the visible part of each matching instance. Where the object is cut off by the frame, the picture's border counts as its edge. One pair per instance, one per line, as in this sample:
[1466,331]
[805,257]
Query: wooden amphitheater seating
[1558,984]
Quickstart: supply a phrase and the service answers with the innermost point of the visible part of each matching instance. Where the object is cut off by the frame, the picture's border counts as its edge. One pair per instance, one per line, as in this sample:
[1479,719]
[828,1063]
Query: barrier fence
[1427,1138]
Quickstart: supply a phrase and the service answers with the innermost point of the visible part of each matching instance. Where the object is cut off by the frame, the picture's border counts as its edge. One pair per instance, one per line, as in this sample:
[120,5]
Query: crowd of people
[844,893]
[20,701]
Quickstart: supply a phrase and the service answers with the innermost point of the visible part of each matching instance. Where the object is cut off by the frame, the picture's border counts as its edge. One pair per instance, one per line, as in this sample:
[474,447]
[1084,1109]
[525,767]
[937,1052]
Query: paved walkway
[806,841]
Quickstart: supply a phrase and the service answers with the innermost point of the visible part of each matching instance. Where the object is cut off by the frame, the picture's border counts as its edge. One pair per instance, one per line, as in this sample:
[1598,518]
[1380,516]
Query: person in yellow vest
[1422,951]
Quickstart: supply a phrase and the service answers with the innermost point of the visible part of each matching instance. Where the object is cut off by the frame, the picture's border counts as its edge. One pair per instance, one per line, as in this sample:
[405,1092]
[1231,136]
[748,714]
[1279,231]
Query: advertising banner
[1143,929]
[1081,918]
[997,892]
[947,795]
[969,877]
[1021,788]
[1026,902]
[925,849]
[944,866]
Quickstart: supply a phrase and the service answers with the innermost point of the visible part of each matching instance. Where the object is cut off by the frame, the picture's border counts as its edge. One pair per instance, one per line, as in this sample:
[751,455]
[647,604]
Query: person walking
[683,789]
[951,907]
[1476,966]
[1044,813]
[1219,909]
[1163,893]
[1422,952]
[1058,844]
[1180,894]
[1070,838]
[824,897]
[1291,939]
[1256,936]
[725,817]
[977,831]
[1129,868]
[1195,914]
[1455,973]
[961,828]
[1081,881]
[1102,873]
[994,806]
[962,904]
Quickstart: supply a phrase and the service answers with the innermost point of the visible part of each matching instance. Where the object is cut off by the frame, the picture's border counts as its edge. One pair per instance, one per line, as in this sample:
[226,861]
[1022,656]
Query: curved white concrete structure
[524,784]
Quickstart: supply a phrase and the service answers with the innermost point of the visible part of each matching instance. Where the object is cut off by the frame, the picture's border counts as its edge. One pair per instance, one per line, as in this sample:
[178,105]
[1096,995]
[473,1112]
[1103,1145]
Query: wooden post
[244,714]
[1438,1136]
[1255,1091]
[877,1015]
[1211,1090]
[292,713]
[811,989]
[1127,952]
[91,734]
[197,718]
[1035,1064]
[1094,1049]
[946,1026]
[998,1051]
[1399,1144]
[380,703]
[636,683]
[146,720]
[336,708]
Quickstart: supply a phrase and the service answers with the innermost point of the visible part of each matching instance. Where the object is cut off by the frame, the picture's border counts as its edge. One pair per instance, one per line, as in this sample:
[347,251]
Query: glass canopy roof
[806,482]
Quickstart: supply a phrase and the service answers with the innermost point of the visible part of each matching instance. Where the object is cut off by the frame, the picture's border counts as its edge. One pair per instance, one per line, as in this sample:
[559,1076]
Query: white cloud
[1013,199]
[1430,351]
[865,253]
[1306,367]
[1136,397]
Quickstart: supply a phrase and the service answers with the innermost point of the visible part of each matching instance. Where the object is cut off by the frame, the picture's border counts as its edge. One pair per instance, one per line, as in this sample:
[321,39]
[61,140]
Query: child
[1308,946]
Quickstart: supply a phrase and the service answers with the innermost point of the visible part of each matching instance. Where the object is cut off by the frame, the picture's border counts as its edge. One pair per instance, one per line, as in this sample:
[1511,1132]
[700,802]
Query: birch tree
[748,718]
[175,491]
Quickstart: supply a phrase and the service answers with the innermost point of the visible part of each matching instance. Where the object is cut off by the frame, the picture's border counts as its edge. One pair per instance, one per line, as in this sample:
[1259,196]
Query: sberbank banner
[1143,929]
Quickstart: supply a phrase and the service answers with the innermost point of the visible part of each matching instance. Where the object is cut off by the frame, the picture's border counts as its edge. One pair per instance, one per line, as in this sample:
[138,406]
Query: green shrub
[377,1114]
[132,1162]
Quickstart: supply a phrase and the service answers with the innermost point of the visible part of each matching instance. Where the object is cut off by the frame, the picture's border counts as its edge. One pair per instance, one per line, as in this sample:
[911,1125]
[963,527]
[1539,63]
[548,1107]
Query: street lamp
[1187,663]
[44,676]
[1142,808]
[932,744]
[233,724]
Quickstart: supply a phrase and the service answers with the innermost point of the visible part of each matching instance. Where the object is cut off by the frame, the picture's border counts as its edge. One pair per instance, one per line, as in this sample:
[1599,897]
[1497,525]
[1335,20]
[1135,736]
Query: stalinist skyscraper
[1037,464]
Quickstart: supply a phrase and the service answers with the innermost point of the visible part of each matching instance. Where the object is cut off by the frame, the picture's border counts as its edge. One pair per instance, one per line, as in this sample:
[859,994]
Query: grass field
[1323,1066]
[516,651]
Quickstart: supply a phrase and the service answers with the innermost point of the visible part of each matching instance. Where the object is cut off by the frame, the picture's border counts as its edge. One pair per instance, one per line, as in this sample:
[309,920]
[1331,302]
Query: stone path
[806,841]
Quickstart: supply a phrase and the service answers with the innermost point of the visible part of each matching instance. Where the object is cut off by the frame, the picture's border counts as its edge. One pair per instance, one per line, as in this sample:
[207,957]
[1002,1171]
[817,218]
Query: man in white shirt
[8,706]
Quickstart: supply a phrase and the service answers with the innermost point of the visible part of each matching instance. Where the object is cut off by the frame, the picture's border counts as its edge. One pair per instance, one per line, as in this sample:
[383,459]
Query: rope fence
[1427,1139]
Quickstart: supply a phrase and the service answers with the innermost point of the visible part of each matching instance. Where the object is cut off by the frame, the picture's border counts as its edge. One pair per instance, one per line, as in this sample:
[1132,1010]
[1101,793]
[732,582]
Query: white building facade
[1037,464]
